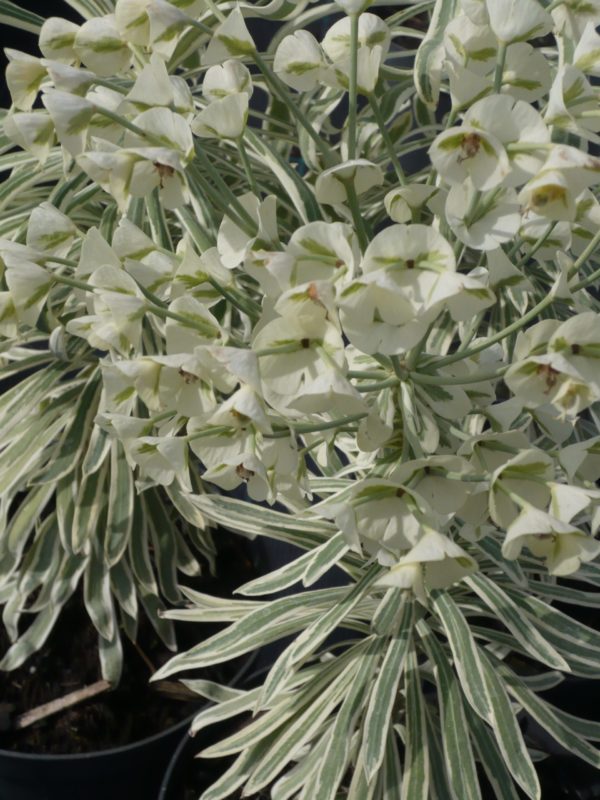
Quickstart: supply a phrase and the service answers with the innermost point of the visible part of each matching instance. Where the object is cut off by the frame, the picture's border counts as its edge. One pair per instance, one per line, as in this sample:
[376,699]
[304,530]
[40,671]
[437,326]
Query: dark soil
[68,662]
[132,711]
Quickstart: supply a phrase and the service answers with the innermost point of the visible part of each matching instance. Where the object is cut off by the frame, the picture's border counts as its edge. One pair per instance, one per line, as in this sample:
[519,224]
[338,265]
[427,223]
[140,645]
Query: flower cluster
[349,281]
[271,353]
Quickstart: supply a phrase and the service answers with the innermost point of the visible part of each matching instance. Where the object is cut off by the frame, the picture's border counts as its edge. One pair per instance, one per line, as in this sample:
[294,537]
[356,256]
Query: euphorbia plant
[351,280]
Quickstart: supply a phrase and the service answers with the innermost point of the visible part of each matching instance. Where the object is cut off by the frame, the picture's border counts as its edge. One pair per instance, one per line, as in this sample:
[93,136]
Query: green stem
[595,276]
[244,304]
[530,315]
[280,349]
[535,247]
[216,10]
[119,119]
[158,223]
[317,426]
[247,166]
[499,71]
[217,430]
[373,374]
[68,262]
[115,87]
[73,282]
[157,307]
[455,380]
[387,139]
[376,387]
[330,159]
[582,258]
[231,198]
[202,188]
[353,86]
[360,223]
[147,430]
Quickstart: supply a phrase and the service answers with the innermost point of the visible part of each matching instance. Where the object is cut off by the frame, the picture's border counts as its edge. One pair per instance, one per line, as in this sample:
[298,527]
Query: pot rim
[108,753]
[58,758]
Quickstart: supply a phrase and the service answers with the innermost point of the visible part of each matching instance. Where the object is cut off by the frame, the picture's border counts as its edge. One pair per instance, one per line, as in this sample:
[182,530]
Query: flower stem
[315,427]
[360,224]
[353,86]
[387,139]
[231,198]
[499,71]
[247,166]
[455,380]
[330,159]
[532,314]
[379,385]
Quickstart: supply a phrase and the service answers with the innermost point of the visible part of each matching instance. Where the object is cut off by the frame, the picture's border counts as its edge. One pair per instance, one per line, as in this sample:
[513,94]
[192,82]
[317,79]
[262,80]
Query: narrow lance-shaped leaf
[430,53]
[492,550]
[295,734]
[123,588]
[11,14]
[221,710]
[492,760]
[335,757]
[386,615]
[111,655]
[37,565]
[415,781]
[120,505]
[75,437]
[577,641]
[32,639]
[391,769]
[325,557]
[519,625]
[279,579]
[464,651]
[438,774]
[303,773]
[98,597]
[89,504]
[239,771]
[163,540]
[265,624]
[97,450]
[15,535]
[458,752]
[384,693]
[543,713]
[508,733]
[315,634]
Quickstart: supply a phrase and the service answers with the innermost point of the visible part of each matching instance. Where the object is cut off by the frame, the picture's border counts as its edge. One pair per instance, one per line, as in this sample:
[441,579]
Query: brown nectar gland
[164,171]
[470,146]
[243,473]
[188,377]
[239,416]
[550,375]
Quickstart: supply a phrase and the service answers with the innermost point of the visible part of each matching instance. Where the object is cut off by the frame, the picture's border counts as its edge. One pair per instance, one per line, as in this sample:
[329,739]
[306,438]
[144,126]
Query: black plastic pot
[184,767]
[132,772]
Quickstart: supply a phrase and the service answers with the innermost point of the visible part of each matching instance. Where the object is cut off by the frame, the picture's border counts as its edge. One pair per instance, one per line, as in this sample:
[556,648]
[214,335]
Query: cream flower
[435,562]
[563,546]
